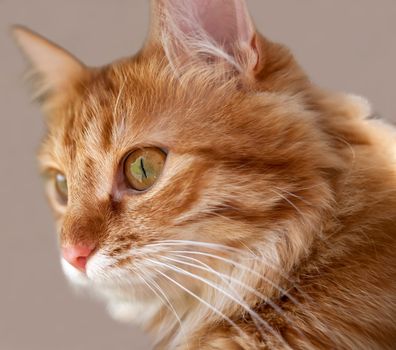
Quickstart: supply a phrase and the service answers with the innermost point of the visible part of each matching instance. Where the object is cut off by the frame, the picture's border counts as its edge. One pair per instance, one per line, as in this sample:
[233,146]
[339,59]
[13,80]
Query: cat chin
[114,284]
[137,312]
[75,276]
[123,304]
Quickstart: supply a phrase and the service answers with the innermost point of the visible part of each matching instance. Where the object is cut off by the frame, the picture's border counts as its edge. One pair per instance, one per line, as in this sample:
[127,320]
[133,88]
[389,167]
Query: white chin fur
[74,275]
[122,301]
[134,312]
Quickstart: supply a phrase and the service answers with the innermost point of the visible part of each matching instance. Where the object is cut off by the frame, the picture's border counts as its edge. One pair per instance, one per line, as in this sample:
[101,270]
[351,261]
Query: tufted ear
[211,30]
[54,67]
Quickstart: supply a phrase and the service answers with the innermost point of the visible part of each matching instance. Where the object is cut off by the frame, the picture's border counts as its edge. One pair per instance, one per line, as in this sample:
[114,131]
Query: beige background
[346,45]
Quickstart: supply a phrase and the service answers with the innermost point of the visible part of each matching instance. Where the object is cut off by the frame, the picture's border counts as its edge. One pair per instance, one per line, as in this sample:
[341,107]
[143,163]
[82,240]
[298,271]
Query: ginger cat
[206,189]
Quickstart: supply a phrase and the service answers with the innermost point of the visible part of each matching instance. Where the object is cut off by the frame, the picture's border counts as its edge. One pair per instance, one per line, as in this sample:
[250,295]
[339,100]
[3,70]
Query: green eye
[61,186]
[143,167]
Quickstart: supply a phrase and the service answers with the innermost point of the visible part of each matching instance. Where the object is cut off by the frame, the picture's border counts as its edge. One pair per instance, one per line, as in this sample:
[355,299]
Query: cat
[207,190]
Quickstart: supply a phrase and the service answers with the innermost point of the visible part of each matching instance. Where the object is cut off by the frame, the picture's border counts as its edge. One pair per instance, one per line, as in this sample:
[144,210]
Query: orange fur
[297,185]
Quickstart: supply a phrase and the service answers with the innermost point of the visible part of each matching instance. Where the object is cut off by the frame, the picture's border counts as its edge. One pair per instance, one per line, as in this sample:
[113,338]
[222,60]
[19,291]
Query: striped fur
[273,225]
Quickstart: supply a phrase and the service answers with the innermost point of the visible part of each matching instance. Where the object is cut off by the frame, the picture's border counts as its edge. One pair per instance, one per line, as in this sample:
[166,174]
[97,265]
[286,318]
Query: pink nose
[77,255]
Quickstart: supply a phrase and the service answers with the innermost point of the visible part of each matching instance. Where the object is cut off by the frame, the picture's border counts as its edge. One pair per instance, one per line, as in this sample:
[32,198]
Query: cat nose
[77,255]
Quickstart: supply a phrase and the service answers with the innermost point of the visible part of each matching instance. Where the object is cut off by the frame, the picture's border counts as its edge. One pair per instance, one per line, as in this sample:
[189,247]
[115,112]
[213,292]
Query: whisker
[148,252]
[240,252]
[204,302]
[243,253]
[234,263]
[224,278]
[220,247]
[251,254]
[169,305]
[252,313]
[155,291]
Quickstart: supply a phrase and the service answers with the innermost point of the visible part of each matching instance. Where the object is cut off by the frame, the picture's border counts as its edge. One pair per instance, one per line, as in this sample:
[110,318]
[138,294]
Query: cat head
[196,160]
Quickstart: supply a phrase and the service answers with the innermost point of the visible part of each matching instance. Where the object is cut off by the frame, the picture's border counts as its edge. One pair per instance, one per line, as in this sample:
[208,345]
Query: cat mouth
[75,275]
[101,270]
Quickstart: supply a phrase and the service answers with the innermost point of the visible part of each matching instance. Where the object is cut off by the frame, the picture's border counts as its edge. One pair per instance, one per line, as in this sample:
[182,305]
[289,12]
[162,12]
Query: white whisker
[215,246]
[204,302]
[252,313]
[168,304]
[239,252]
[232,262]
[224,278]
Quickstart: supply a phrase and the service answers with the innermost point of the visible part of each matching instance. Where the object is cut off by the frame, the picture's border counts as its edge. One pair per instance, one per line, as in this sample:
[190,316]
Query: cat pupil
[142,167]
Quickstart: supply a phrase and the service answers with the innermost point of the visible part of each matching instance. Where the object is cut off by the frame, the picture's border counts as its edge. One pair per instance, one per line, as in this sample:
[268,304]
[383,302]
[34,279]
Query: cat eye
[143,167]
[61,186]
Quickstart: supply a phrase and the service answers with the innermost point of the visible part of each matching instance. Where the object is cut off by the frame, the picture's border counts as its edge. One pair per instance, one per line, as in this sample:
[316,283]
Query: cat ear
[213,30]
[54,66]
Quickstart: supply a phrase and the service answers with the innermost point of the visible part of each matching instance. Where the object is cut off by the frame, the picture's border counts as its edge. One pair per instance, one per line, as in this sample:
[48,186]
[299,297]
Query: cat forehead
[138,102]
[102,111]
[129,103]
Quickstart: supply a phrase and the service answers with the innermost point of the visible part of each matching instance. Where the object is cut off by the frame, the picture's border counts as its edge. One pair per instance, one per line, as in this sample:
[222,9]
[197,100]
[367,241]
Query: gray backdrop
[346,45]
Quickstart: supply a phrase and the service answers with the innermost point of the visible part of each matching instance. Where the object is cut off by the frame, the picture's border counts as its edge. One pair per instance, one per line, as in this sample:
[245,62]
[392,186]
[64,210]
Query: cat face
[181,159]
